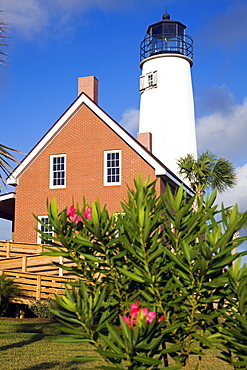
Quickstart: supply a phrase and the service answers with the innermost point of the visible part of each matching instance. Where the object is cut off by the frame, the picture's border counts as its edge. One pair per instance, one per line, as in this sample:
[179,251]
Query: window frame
[106,182]
[148,81]
[51,177]
[39,240]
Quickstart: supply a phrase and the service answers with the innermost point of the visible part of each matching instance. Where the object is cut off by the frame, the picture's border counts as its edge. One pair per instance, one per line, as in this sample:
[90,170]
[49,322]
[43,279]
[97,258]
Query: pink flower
[151,316]
[77,219]
[71,211]
[126,319]
[134,309]
[87,213]
[161,318]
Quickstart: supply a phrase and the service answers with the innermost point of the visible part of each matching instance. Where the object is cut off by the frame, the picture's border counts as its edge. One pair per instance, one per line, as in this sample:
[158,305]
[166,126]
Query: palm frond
[3,37]
[5,166]
[207,171]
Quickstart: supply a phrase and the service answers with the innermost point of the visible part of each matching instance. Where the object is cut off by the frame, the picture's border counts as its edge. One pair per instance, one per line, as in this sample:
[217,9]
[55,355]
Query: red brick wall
[84,140]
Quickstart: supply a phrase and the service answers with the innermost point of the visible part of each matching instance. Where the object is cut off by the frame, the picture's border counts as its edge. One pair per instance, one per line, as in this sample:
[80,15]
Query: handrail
[11,249]
[170,44]
[35,262]
[37,287]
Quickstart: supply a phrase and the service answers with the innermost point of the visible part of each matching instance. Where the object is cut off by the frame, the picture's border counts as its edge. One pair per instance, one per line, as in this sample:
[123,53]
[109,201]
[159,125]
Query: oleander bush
[156,284]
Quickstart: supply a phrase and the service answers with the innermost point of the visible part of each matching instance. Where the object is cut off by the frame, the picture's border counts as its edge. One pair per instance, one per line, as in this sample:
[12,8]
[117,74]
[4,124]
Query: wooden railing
[36,275]
[42,265]
[36,287]
[12,249]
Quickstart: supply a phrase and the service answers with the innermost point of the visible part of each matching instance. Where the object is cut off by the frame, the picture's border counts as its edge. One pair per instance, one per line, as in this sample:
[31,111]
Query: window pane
[112,169]
[58,171]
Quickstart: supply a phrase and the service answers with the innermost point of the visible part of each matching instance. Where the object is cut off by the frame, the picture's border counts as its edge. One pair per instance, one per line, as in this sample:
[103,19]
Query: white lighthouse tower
[167,119]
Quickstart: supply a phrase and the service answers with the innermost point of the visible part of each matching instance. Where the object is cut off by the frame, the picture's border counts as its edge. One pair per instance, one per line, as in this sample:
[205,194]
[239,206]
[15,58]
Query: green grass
[32,346]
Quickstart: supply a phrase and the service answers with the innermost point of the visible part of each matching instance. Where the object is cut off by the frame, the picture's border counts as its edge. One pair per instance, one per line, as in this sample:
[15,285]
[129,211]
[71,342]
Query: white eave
[65,118]
[7,196]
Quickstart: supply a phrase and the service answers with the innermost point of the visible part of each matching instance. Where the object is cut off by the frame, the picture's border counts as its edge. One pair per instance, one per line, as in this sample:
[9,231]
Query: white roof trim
[51,134]
[7,196]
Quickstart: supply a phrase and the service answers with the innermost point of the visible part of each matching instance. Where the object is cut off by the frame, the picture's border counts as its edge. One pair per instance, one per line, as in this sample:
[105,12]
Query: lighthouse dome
[166,36]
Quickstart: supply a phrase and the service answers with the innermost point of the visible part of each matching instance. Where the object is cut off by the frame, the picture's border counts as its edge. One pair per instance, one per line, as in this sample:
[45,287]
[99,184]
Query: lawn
[32,346]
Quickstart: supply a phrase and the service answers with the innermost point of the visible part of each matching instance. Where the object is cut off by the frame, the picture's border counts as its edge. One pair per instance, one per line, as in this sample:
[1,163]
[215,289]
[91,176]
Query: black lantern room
[166,36]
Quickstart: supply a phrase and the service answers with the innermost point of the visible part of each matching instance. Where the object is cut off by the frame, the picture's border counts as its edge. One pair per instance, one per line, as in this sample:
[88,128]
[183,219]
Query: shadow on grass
[42,328]
[47,328]
[34,338]
[50,365]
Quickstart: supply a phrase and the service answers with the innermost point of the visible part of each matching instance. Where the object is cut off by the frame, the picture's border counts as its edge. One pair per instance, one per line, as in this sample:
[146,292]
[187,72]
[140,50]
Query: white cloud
[30,17]
[224,132]
[130,120]
[239,193]
[27,16]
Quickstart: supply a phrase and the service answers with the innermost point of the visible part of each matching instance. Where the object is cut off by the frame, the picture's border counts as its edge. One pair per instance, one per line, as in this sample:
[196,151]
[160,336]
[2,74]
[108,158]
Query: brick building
[85,153]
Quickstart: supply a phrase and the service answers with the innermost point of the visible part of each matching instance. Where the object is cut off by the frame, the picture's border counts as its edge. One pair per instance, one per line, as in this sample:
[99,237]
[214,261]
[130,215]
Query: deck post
[38,290]
[8,250]
[24,264]
[60,270]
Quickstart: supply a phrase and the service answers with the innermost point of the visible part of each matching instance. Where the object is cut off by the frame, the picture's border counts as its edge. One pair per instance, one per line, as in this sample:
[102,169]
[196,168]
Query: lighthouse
[167,117]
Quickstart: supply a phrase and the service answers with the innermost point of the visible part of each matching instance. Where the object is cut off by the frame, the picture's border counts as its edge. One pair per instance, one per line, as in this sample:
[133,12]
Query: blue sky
[52,43]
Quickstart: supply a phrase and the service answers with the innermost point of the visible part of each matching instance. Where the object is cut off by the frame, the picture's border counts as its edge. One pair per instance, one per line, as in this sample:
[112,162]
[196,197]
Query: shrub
[163,258]
[42,309]
[8,290]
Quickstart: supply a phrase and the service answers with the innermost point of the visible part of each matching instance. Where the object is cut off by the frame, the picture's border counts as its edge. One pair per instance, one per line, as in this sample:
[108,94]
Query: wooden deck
[36,275]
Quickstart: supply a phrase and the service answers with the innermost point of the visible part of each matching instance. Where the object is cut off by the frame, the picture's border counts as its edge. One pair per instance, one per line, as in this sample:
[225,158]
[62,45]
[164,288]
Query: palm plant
[207,171]
[8,290]
[5,167]
[3,36]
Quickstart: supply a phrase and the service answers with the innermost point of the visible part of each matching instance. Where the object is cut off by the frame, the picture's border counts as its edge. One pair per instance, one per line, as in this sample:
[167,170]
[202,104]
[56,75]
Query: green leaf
[131,275]
[175,348]
[92,258]
[110,344]
[109,354]
[115,335]
[203,340]
[147,360]
[240,364]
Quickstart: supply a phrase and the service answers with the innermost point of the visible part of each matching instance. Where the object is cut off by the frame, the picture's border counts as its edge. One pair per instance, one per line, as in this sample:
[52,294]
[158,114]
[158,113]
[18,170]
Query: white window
[148,81]
[152,79]
[112,167]
[44,226]
[57,171]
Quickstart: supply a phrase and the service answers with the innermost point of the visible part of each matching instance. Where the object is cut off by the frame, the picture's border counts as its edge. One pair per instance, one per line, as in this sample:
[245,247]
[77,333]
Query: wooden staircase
[36,275]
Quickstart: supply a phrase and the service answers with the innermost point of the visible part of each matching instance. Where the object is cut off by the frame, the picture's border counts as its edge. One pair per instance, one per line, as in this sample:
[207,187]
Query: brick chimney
[88,85]
[145,138]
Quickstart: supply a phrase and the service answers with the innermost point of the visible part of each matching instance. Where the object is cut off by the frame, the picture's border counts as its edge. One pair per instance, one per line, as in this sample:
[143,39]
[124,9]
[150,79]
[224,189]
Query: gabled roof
[82,99]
